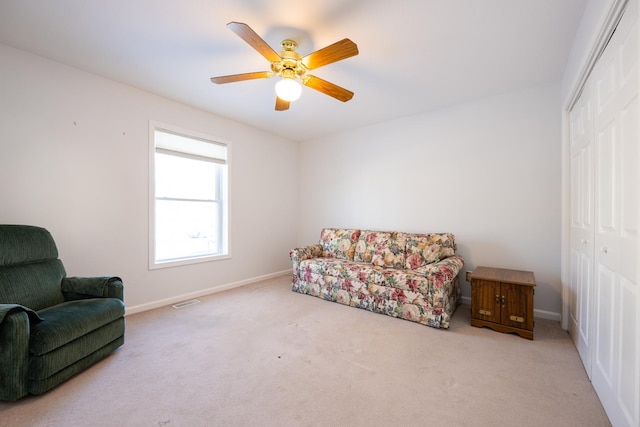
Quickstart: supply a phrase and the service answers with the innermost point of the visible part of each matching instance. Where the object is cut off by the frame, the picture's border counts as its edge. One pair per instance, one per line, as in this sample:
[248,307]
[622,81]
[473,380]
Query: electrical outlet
[469,276]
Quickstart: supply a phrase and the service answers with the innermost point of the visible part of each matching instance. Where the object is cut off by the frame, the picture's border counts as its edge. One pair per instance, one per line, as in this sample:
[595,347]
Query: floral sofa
[411,276]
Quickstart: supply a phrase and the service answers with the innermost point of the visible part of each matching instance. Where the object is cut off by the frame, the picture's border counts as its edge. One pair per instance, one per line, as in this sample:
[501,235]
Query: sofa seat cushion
[315,270]
[435,276]
[70,320]
[405,280]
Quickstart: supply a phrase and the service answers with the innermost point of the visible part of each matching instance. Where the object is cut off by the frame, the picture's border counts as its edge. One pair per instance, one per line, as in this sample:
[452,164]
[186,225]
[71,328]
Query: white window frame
[225,197]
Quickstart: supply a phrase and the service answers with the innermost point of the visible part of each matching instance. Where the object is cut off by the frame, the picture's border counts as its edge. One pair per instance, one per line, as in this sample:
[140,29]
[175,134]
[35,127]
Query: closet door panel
[616,352]
[584,312]
[582,226]
[628,363]
[574,259]
[607,141]
[629,176]
[606,178]
[606,315]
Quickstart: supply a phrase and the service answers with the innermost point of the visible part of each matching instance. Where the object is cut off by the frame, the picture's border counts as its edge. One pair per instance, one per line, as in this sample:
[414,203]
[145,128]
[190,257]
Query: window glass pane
[186,229]
[184,178]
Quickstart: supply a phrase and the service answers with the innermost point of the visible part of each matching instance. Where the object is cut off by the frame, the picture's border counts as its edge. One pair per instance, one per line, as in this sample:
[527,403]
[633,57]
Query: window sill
[154,265]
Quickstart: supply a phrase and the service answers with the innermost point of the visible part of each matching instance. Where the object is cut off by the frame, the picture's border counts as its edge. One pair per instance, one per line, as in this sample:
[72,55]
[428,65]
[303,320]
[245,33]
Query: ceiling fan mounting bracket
[289,45]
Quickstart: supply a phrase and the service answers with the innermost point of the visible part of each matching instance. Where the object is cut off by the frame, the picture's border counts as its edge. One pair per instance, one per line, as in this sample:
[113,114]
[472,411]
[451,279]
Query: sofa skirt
[431,310]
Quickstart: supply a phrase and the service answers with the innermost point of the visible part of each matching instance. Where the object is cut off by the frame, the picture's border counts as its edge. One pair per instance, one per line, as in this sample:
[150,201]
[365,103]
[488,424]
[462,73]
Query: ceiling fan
[291,66]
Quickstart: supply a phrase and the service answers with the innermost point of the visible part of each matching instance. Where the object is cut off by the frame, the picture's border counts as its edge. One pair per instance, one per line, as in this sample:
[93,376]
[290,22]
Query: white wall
[74,159]
[487,171]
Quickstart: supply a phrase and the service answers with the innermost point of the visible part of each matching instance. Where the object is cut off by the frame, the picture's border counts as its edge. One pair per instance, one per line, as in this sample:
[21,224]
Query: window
[188,204]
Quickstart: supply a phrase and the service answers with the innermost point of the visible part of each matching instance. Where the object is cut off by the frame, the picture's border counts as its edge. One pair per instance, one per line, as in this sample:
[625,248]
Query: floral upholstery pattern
[424,249]
[350,270]
[338,243]
[428,294]
[300,254]
[383,249]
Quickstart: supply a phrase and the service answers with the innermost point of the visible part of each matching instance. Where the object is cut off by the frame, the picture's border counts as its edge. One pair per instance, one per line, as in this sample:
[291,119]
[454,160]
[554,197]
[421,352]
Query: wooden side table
[502,300]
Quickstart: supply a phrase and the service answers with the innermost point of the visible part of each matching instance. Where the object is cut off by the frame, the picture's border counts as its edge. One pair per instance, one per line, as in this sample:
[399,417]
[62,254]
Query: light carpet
[262,355]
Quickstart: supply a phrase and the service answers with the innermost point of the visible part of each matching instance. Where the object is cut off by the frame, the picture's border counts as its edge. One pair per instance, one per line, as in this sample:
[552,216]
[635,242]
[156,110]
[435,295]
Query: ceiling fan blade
[281,104]
[327,88]
[240,77]
[255,41]
[338,51]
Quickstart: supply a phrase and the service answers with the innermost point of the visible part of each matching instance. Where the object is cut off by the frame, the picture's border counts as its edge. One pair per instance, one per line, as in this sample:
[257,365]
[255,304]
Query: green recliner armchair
[51,326]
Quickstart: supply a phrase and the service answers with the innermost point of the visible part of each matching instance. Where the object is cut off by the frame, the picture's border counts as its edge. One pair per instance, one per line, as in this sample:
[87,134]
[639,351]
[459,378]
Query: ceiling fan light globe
[288,89]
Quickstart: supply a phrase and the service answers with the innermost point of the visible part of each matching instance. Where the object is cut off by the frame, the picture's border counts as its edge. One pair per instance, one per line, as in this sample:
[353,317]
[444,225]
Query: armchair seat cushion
[70,320]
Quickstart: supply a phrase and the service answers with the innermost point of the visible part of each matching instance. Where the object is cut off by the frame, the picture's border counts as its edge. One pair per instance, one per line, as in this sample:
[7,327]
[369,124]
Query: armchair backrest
[30,271]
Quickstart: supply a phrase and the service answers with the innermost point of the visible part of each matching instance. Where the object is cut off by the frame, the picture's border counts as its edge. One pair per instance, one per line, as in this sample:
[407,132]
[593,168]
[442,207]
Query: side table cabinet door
[486,300]
[516,306]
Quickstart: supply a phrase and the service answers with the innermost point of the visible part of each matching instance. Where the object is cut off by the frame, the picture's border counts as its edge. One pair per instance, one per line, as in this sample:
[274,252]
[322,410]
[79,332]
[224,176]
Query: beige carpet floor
[262,355]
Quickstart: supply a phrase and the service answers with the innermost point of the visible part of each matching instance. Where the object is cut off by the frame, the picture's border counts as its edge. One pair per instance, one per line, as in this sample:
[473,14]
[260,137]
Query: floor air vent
[184,304]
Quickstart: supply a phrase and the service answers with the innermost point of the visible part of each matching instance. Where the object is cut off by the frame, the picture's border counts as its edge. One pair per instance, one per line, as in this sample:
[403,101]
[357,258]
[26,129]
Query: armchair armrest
[14,351]
[92,287]
[305,252]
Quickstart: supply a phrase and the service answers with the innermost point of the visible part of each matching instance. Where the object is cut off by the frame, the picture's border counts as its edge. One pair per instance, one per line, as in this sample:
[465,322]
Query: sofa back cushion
[424,249]
[339,242]
[30,271]
[382,248]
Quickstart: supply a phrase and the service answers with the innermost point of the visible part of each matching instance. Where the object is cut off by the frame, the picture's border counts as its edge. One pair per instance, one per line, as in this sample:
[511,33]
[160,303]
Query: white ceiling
[415,55]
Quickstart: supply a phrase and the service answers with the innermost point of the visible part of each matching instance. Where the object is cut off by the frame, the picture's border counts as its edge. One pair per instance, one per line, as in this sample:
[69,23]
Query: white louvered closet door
[605,296]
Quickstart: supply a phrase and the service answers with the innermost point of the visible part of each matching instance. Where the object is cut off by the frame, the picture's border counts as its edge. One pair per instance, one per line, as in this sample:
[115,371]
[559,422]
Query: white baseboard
[549,315]
[542,314]
[178,298]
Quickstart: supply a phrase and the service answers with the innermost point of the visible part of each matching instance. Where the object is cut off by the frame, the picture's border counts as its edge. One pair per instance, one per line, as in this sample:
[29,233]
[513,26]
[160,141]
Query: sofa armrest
[305,252]
[14,351]
[445,270]
[75,288]
[302,253]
